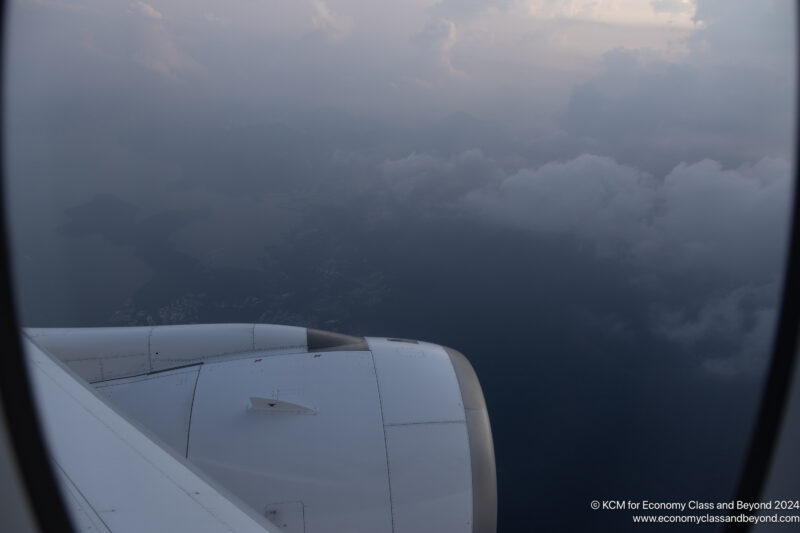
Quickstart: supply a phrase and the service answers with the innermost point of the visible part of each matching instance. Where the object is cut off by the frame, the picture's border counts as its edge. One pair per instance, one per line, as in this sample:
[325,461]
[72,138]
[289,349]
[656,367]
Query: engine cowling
[321,433]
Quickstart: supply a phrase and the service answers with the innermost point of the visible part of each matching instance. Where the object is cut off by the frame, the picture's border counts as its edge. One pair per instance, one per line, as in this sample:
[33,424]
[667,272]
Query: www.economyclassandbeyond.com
[773,512]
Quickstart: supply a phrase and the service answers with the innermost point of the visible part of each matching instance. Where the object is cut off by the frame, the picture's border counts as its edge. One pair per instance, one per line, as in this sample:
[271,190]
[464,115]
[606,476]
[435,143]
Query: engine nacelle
[319,431]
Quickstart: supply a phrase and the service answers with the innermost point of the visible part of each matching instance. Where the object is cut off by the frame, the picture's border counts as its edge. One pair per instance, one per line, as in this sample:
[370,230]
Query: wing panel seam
[191,410]
[385,441]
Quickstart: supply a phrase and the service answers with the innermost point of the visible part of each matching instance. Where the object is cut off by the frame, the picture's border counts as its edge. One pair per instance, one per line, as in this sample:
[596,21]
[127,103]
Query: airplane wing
[313,431]
[114,477]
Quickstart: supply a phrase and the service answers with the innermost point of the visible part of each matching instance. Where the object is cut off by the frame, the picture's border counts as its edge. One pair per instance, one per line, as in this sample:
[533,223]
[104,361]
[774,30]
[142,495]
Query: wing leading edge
[116,477]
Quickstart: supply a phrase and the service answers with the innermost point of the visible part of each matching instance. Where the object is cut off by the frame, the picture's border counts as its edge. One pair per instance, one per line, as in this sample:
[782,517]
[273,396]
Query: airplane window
[588,199]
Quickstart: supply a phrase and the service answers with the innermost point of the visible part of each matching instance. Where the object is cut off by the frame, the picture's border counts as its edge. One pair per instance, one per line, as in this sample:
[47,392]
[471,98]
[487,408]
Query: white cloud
[335,25]
[724,228]
[445,47]
[676,13]
[700,217]
[592,197]
[216,19]
[721,229]
[439,37]
[729,98]
[731,221]
[145,10]
[674,6]
[157,49]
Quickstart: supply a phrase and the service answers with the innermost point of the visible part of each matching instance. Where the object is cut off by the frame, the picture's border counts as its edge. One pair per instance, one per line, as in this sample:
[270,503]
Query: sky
[587,198]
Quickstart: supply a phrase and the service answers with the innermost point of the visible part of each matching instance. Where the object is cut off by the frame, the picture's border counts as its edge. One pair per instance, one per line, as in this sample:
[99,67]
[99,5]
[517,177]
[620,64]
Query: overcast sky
[615,170]
[658,132]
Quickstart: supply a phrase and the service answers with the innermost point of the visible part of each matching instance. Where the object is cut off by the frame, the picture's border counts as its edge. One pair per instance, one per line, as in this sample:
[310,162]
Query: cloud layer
[589,199]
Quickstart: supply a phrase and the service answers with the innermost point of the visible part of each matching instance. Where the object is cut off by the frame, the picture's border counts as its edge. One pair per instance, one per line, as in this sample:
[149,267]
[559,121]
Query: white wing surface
[116,478]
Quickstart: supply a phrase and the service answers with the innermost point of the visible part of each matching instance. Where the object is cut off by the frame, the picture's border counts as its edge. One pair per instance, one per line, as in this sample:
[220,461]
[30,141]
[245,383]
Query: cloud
[427,179]
[463,9]
[677,13]
[591,196]
[730,99]
[673,6]
[730,221]
[700,217]
[335,25]
[605,173]
[738,32]
[696,219]
[440,35]
[145,10]
[721,231]
[733,331]
[157,49]
[555,9]
[216,19]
